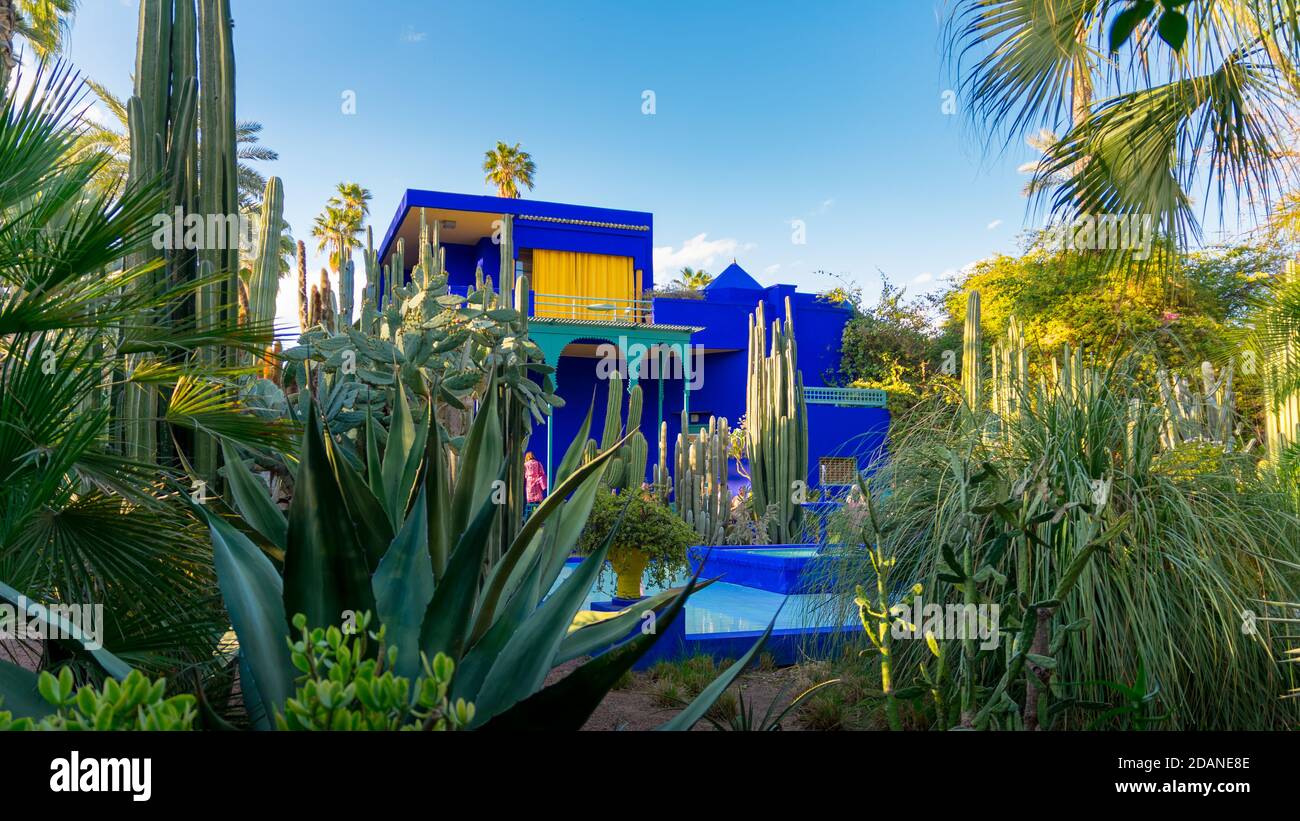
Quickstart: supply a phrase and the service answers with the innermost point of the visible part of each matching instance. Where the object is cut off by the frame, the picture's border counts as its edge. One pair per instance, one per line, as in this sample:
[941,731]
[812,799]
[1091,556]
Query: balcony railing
[846,397]
[567,306]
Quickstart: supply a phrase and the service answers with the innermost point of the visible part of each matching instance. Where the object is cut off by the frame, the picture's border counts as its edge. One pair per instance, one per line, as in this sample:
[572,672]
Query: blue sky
[830,112]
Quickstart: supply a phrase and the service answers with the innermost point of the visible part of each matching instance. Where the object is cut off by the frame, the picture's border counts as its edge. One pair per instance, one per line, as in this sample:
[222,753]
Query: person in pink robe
[534,478]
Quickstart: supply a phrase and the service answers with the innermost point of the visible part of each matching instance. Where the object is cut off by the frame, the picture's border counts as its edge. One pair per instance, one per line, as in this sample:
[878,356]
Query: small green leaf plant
[347,685]
[134,703]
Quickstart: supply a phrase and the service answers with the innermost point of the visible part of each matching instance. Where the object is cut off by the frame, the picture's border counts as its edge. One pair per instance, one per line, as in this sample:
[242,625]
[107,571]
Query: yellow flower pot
[629,567]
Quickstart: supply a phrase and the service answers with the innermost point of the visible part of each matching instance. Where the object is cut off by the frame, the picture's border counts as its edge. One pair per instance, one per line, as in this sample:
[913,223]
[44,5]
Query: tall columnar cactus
[181,122]
[304,296]
[627,469]
[507,262]
[264,279]
[971,381]
[1010,363]
[1282,413]
[661,482]
[701,492]
[776,420]
[347,292]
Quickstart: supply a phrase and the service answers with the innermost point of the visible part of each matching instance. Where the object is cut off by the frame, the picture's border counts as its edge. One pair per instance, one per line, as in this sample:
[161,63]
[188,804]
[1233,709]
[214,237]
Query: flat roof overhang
[473,216]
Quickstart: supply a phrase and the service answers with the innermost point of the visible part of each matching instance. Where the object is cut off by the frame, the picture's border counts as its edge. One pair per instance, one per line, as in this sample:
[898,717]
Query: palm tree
[339,225]
[691,279]
[42,23]
[116,145]
[1143,124]
[509,168]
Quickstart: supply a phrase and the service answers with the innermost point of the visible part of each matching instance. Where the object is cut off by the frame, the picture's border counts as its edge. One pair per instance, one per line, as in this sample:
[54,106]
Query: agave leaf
[522,666]
[446,623]
[403,585]
[477,662]
[112,665]
[253,594]
[374,467]
[567,704]
[480,462]
[574,512]
[325,568]
[402,455]
[18,693]
[573,455]
[587,640]
[438,498]
[374,530]
[253,501]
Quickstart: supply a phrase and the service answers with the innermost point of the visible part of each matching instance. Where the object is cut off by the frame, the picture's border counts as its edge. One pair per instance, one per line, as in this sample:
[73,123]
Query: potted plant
[651,538]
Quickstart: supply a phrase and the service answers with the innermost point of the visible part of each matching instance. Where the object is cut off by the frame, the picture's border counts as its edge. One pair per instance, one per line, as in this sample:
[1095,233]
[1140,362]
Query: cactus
[264,279]
[701,492]
[971,381]
[776,424]
[661,484]
[1010,363]
[627,469]
[181,123]
[1282,412]
[347,292]
[1205,417]
[304,297]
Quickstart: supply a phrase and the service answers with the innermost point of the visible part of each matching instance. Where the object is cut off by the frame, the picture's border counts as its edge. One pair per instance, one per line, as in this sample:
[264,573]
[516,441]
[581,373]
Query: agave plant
[399,534]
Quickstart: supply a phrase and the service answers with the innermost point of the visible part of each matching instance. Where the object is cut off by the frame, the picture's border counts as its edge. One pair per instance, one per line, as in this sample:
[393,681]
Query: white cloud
[923,278]
[772,269]
[994,224]
[697,252]
[410,35]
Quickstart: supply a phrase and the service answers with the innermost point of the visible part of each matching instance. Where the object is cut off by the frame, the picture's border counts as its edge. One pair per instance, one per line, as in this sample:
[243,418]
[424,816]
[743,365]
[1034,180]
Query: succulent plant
[702,494]
[776,424]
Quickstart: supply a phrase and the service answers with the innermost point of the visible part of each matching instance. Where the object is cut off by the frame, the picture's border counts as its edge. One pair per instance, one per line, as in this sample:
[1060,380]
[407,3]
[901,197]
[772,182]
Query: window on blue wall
[837,471]
[524,265]
[697,421]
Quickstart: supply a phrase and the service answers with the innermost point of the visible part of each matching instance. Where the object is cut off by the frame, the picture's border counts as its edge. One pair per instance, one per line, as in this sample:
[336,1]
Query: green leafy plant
[647,539]
[135,703]
[346,686]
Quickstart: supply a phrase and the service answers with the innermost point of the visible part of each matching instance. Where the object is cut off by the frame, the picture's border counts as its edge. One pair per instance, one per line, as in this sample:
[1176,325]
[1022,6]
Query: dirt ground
[635,705]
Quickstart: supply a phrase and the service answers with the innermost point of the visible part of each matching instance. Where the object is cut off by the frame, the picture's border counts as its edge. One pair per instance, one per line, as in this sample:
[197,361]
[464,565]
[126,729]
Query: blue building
[591,274]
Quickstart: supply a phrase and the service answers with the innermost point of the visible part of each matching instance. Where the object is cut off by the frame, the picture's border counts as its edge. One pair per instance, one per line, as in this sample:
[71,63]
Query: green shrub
[649,526]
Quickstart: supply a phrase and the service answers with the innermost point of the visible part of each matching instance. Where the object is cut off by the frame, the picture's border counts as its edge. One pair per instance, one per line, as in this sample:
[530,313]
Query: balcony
[846,397]
[585,308]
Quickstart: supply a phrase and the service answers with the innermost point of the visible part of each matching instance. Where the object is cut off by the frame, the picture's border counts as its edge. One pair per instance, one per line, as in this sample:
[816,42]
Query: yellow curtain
[575,285]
